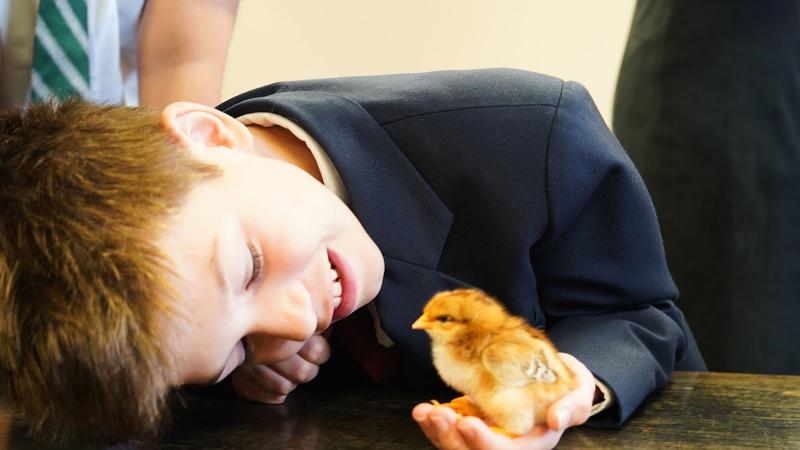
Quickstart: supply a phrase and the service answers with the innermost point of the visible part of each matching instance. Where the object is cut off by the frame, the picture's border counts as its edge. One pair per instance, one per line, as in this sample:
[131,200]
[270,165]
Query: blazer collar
[395,205]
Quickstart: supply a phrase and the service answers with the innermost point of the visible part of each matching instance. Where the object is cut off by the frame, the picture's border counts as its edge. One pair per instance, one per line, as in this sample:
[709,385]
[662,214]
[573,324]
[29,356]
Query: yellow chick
[510,370]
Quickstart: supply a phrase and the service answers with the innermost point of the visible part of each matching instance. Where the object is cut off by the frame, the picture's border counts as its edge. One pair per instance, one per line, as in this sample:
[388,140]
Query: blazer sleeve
[604,285]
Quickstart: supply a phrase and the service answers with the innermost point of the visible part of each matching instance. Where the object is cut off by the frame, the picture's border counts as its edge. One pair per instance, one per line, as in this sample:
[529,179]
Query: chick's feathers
[510,370]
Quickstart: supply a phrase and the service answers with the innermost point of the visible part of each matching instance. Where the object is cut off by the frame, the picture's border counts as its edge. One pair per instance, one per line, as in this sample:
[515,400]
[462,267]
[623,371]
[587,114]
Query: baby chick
[510,370]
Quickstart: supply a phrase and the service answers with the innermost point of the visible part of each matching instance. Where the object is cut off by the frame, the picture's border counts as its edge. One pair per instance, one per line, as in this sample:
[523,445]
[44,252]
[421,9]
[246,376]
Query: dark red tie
[357,334]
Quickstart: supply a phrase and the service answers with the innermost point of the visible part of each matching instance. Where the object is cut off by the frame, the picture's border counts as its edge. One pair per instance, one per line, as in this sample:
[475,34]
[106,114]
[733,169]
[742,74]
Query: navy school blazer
[509,181]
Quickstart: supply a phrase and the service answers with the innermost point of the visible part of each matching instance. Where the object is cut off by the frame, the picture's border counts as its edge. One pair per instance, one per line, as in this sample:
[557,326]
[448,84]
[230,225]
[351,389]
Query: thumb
[574,407]
[559,418]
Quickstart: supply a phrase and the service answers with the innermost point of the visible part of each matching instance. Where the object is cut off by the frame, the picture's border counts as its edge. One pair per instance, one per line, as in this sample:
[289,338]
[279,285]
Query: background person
[708,107]
[114,51]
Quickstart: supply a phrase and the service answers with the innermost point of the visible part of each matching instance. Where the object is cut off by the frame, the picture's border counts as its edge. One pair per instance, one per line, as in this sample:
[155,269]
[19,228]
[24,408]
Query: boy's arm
[183,46]
[603,278]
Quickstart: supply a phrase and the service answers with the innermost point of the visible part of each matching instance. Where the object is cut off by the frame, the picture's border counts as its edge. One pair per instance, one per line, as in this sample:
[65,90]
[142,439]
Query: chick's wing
[518,364]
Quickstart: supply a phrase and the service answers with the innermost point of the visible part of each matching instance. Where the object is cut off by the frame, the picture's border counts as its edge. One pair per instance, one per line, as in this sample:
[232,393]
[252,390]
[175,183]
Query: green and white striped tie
[60,53]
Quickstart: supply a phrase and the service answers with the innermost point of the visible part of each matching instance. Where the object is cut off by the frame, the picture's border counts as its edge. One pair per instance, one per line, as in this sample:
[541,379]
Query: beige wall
[294,39]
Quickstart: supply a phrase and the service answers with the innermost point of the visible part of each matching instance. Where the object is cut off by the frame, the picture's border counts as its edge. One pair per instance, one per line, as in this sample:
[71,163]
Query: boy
[138,255]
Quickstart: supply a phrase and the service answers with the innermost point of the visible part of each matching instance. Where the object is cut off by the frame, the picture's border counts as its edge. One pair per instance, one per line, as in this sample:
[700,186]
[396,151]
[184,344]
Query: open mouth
[344,288]
[336,286]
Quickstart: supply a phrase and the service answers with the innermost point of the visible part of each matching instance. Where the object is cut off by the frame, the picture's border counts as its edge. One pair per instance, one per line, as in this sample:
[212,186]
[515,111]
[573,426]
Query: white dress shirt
[112,33]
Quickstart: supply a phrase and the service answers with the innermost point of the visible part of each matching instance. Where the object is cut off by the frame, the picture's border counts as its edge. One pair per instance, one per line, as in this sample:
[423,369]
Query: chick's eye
[258,264]
[445,318]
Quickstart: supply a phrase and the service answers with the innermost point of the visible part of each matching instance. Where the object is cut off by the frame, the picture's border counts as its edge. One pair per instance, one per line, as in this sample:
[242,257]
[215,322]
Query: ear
[199,126]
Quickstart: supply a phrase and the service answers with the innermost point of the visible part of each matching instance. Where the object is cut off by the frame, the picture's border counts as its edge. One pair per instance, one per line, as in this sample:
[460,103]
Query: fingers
[272,383]
[447,431]
[540,438]
[478,436]
[573,408]
[295,369]
[439,424]
[304,366]
[250,386]
[316,350]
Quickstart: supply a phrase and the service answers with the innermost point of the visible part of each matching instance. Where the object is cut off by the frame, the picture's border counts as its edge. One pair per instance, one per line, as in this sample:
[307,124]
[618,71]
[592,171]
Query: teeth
[336,286]
[337,289]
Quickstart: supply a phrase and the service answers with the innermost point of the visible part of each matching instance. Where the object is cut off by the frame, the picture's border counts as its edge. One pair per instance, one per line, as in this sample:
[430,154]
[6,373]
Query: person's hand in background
[183,46]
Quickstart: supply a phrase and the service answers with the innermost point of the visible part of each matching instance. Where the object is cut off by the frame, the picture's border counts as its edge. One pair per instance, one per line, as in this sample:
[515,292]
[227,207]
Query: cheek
[201,356]
[268,350]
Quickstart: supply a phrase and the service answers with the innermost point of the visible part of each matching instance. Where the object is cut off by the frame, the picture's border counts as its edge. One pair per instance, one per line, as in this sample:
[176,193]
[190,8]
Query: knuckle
[271,399]
[306,372]
[316,350]
[284,387]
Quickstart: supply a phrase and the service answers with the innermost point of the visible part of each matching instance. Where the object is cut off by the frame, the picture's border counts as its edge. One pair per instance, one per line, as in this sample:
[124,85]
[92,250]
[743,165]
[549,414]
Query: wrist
[603,397]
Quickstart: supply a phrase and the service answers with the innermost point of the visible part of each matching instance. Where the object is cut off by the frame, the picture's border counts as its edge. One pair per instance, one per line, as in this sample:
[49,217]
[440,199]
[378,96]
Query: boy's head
[264,252]
[136,254]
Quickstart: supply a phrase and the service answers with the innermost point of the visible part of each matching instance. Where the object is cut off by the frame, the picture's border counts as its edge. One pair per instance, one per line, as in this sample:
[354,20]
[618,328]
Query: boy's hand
[271,383]
[446,430]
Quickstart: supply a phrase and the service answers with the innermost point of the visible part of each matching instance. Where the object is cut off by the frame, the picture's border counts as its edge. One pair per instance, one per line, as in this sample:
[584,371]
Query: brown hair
[84,192]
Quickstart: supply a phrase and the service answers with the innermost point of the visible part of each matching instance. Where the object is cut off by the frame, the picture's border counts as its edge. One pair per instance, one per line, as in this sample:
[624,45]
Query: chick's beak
[422,323]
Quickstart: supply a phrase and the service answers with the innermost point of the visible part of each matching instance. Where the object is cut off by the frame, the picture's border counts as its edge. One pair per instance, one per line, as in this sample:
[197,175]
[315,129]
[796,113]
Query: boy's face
[253,252]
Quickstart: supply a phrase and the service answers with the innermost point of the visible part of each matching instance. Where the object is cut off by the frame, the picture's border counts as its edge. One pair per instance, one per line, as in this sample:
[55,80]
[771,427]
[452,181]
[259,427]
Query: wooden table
[696,410]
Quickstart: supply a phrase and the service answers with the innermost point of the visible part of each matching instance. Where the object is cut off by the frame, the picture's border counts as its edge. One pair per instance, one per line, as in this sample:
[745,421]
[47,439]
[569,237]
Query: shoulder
[392,97]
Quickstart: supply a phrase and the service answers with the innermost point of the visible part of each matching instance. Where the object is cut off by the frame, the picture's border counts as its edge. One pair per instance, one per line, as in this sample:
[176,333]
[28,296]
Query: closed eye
[258,264]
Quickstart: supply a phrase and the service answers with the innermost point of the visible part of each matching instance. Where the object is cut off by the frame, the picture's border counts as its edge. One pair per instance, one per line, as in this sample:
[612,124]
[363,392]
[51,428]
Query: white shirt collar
[330,176]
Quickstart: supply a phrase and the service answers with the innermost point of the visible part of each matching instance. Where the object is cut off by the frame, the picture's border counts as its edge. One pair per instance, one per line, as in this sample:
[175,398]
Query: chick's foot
[464,407]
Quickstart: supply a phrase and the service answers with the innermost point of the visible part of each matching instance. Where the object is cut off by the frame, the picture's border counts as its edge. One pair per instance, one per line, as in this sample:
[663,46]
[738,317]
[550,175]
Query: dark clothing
[708,107]
[511,182]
